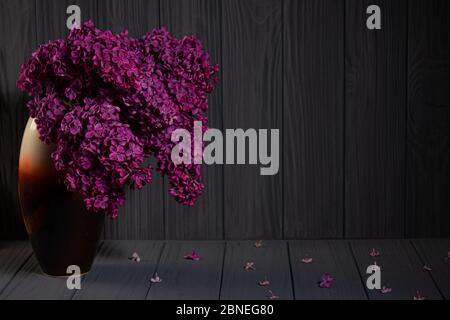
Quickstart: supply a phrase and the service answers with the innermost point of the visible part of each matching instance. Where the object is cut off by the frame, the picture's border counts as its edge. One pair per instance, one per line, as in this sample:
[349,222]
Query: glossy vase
[61,230]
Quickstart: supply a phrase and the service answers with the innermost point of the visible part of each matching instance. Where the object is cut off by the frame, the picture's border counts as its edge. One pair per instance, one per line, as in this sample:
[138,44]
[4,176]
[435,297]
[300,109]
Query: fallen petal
[258,244]
[193,256]
[272,296]
[327,281]
[307,259]
[427,268]
[374,253]
[135,257]
[385,290]
[264,282]
[249,266]
[418,296]
[155,279]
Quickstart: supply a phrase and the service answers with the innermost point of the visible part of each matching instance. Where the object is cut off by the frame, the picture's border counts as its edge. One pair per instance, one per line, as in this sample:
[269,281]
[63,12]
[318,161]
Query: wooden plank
[375,99]
[401,269]
[186,279]
[51,17]
[31,284]
[17,31]
[142,216]
[428,135]
[332,257]
[252,97]
[313,118]
[200,18]
[12,256]
[115,276]
[271,263]
[434,254]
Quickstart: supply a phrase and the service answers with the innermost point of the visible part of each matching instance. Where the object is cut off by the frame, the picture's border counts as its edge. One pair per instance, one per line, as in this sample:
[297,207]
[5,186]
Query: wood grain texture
[115,276]
[401,269]
[333,257]
[428,139]
[142,216]
[271,263]
[12,256]
[31,284]
[434,254]
[202,19]
[186,279]
[375,100]
[312,122]
[252,98]
[18,40]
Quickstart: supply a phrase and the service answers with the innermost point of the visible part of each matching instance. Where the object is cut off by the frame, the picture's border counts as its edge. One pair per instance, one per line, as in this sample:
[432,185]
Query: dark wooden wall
[364,115]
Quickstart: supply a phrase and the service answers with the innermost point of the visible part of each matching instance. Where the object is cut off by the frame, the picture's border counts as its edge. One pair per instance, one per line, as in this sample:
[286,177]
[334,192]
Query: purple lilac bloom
[109,101]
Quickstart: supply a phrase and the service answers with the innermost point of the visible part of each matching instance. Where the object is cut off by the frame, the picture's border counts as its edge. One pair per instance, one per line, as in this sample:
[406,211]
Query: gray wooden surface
[252,98]
[428,135]
[313,99]
[434,253]
[363,115]
[220,273]
[332,257]
[375,114]
[401,269]
[271,263]
[12,256]
[116,276]
[187,279]
[18,40]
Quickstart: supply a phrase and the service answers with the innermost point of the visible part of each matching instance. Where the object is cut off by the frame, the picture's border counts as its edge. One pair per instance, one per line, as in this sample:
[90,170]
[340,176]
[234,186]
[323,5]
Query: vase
[61,230]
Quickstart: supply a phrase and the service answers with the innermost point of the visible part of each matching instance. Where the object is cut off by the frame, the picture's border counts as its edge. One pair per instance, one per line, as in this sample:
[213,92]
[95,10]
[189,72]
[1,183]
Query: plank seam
[2,290]
[355,261]
[411,242]
[290,270]
[155,269]
[225,244]
[100,246]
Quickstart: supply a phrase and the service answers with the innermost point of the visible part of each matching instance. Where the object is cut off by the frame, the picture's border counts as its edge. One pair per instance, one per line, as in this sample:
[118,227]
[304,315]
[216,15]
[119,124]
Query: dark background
[364,115]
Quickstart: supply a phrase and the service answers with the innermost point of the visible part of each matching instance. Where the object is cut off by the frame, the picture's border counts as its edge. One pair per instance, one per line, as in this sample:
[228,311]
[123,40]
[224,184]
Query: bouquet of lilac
[108,101]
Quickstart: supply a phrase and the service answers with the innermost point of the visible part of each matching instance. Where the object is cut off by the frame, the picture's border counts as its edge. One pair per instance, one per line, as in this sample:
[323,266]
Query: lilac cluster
[108,101]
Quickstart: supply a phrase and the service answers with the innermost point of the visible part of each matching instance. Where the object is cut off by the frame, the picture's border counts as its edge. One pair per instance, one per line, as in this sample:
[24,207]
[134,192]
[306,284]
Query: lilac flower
[386,290]
[374,253]
[327,281]
[156,279]
[249,266]
[109,101]
[193,256]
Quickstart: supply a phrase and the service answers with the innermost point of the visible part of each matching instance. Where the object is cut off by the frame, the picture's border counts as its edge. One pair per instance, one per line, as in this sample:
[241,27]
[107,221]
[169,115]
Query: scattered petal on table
[272,295]
[258,244]
[249,266]
[327,281]
[374,253]
[135,257]
[418,296]
[427,268]
[264,282]
[307,259]
[193,256]
[155,279]
[385,290]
